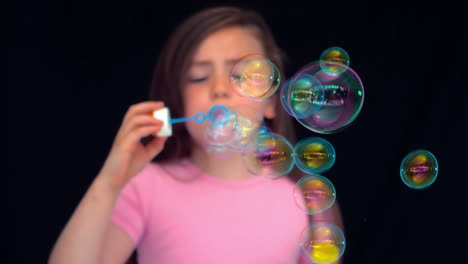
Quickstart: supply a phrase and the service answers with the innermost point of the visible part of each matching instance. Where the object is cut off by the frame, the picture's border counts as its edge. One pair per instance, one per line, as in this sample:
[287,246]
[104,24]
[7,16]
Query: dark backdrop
[74,67]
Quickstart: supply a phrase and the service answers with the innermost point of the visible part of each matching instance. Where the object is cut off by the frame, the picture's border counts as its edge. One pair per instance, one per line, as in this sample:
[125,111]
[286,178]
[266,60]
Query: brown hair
[177,54]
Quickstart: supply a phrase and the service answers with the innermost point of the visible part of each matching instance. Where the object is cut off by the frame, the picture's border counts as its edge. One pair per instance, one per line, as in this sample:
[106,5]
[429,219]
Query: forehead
[229,43]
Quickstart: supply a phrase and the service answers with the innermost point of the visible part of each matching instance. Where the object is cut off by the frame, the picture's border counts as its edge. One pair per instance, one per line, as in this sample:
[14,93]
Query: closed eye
[198,80]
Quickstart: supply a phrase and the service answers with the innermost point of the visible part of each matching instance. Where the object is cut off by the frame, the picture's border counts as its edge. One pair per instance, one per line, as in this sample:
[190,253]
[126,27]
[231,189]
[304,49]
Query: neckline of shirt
[255,180]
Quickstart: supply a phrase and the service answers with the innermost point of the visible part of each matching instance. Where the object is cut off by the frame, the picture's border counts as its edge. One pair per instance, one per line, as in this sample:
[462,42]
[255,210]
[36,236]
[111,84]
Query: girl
[188,205]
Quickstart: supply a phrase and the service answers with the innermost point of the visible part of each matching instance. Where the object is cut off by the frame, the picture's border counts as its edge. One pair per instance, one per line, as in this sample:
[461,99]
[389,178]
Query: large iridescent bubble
[314,155]
[343,96]
[322,243]
[255,77]
[268,154]
[419,169]
[314,194]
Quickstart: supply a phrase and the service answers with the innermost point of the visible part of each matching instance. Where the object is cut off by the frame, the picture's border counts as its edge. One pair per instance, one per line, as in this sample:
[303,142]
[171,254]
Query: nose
[221,88]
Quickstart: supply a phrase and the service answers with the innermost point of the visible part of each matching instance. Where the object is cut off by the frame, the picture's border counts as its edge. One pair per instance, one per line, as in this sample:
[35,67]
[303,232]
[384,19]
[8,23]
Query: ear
[270,108]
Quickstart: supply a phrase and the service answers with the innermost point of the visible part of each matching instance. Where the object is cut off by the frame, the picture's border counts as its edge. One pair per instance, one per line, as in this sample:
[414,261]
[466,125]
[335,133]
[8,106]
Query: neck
[230,167]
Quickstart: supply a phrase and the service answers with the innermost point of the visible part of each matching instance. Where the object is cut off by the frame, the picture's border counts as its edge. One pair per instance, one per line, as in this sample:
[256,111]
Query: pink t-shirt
[176,213]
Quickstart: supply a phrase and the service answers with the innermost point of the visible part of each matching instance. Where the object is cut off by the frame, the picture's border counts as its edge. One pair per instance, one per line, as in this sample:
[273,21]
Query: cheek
[253,109]
[195,99]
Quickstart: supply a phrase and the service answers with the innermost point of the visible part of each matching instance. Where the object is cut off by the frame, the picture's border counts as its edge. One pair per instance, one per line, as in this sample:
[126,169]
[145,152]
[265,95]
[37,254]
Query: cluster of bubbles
[234,134]
[272,155]
[228,129]
[324,96]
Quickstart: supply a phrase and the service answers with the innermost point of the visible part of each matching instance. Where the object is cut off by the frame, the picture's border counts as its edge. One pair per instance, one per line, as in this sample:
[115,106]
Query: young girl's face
[209,75]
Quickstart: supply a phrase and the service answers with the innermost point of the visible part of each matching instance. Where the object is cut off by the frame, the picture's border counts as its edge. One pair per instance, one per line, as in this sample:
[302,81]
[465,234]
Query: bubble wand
[218,115]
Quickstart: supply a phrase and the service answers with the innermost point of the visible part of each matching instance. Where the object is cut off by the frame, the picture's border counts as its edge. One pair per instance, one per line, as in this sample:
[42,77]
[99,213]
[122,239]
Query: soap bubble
[314,155]
[419,169]
[255,77]
[343,97]
[336,55]
[303,95]
[220,115]
[249,124]
[284,97]
[268,154]
[322,243]
[231,128]
[221,129]
[314,193]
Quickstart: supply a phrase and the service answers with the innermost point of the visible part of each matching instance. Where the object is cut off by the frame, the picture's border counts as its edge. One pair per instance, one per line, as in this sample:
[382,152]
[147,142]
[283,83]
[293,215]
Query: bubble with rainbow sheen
[336,55]
[322,243]
[314,193]
[343,97]
[284,96]
[314,155]
[231,128]
[255,77]
[302,95]
[221,128]
[268,154]
[249,124]
[419,169]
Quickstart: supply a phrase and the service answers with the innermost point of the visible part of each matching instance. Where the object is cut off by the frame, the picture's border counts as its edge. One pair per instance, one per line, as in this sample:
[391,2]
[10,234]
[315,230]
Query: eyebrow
[205,63]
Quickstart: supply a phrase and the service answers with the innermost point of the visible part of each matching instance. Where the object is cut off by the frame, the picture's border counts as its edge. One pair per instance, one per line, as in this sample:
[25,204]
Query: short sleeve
[129,211]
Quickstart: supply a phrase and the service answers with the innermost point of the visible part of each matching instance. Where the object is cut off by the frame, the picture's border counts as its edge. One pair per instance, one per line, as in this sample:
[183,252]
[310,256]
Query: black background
[74,67]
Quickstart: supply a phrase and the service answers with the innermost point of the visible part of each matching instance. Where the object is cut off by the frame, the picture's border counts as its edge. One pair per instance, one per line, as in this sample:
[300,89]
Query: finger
[139,121]
[137,134]
[144,108]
